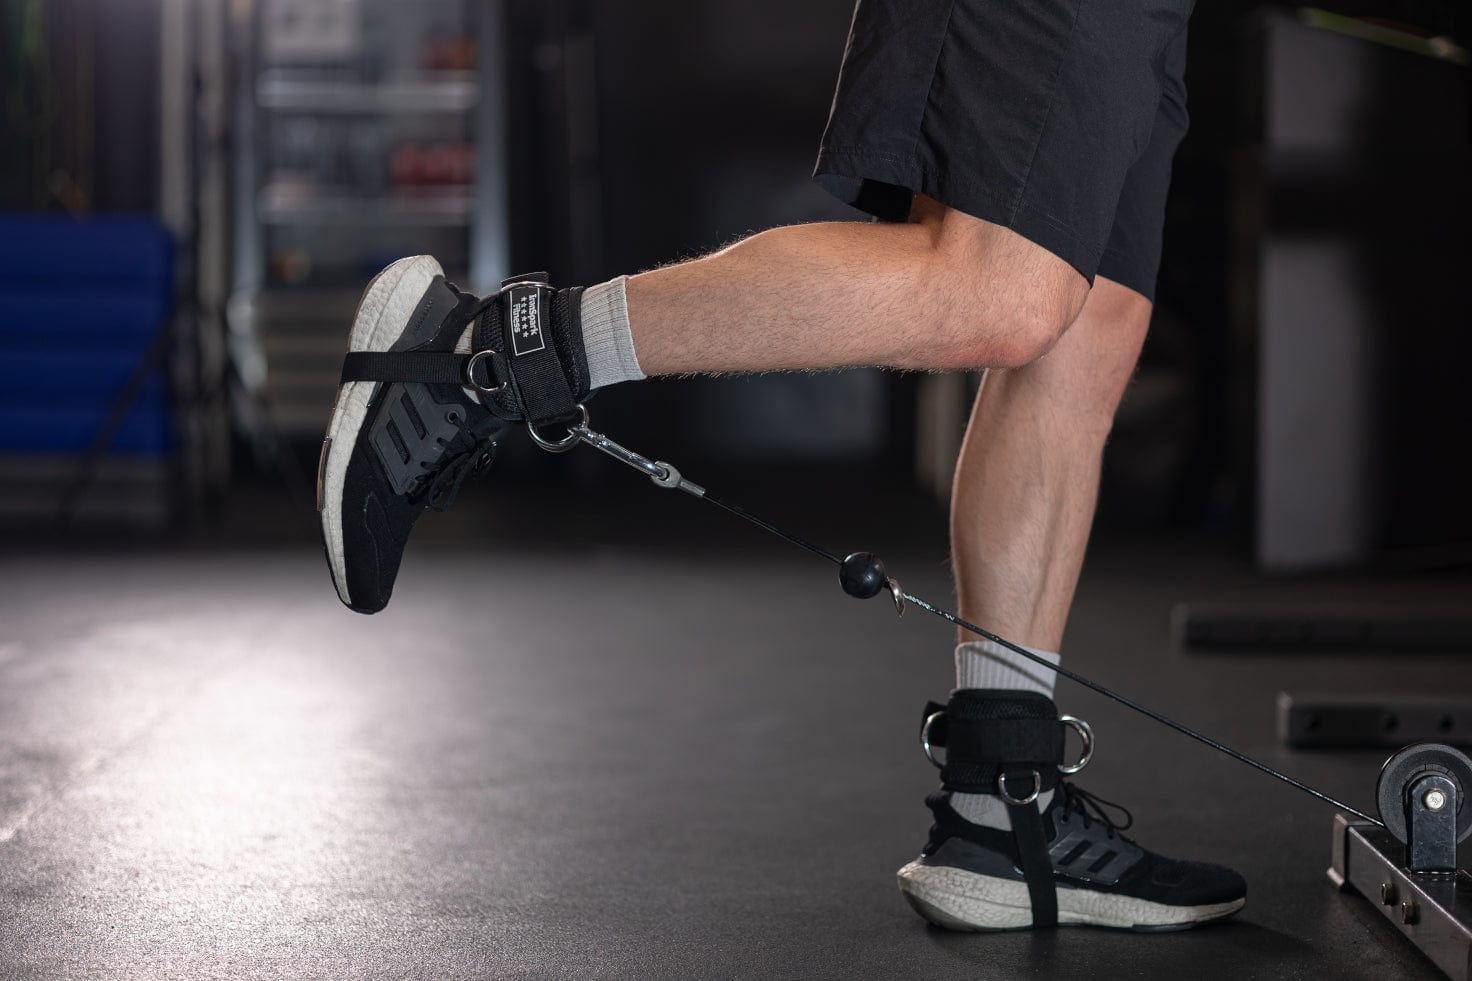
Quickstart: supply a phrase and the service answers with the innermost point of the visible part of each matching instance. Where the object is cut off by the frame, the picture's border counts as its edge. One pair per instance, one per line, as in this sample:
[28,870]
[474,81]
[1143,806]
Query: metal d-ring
[1086,736]
[925,737]
[567,442]
[470,374]
[1037,787]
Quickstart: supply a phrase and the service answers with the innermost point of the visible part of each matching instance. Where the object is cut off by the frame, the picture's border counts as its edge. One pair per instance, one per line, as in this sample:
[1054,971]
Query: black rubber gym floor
[618,761]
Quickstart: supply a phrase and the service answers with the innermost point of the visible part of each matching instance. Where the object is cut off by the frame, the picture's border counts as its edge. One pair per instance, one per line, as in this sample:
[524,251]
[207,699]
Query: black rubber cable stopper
[862,575]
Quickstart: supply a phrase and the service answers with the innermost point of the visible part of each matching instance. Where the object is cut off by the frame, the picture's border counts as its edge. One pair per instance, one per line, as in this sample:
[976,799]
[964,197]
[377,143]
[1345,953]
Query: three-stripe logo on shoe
[410,433]
[526,322]
[1089,855]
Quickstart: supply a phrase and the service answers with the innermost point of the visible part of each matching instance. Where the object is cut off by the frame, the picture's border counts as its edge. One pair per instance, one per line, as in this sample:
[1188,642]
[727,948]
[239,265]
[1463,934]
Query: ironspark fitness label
[526,322]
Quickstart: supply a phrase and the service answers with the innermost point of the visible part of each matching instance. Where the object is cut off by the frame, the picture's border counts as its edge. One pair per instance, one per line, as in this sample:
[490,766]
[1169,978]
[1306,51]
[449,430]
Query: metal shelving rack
[365,130]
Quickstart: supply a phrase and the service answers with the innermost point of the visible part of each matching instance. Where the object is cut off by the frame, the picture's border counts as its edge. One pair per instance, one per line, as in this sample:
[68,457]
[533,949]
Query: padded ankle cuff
[536,330]
[988,731]
[526,361]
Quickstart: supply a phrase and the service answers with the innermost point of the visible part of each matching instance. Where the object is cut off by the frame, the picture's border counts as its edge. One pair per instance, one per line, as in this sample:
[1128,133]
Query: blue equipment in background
[83,303]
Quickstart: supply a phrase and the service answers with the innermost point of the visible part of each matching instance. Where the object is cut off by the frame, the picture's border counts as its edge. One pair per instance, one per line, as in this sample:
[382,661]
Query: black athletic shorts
[1054,118]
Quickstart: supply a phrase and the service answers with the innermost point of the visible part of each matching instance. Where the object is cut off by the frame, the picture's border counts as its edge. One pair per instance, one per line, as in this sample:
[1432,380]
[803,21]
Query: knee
[1085,376]
[1009,323]
[1003,301]
[1030,322]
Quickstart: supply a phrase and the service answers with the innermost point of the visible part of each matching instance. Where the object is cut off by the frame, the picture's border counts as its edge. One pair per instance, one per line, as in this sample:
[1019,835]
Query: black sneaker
[394,449]
[969,877]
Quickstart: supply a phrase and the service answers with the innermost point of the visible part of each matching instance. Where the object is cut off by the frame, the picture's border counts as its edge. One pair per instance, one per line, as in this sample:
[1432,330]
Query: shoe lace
[1091,808]
[474,457]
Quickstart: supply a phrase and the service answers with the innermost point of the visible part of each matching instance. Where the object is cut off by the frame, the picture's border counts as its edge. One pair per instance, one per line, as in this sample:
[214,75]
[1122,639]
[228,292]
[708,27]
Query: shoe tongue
[429,317]
[1055,803]
[464,346]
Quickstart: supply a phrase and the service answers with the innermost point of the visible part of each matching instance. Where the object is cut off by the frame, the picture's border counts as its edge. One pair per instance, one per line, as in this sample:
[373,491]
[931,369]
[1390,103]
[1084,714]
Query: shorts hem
[843,171]
[1116,268]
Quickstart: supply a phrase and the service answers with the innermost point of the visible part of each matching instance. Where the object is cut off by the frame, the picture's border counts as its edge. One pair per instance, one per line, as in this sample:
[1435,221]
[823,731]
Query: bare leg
[1028,475]
[944,291]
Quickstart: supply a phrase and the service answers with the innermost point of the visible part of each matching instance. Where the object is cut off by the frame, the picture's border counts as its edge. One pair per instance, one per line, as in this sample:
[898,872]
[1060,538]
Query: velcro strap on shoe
[986,731]
[428,367]
[437,367]
[539,381]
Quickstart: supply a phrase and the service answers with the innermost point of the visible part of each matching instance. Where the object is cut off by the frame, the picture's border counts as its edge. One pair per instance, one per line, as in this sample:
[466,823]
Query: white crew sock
[607,340]
[984,664]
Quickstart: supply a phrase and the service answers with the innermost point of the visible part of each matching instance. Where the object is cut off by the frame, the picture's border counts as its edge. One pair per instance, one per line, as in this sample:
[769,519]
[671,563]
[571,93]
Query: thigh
[1026,113]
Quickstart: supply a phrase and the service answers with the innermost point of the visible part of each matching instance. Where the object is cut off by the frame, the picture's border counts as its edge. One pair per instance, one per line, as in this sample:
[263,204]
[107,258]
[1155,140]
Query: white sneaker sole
[960,900]
[385,308]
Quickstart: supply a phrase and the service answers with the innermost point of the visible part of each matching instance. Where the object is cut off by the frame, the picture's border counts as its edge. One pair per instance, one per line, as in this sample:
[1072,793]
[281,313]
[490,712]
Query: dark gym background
[602,732]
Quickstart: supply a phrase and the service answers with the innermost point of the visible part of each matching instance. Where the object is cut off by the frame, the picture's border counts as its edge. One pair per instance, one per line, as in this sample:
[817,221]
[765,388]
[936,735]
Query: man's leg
[1024,499]
[944,290]
[1028,473]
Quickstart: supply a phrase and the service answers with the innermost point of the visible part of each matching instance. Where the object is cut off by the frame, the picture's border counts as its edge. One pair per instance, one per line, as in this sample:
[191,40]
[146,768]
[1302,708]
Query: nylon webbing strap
[427,367]
[1032,850]
[985,730]
[540,382]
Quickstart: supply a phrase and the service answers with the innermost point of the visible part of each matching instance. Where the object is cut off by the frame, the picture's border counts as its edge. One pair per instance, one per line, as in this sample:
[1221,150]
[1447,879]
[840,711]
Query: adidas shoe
[969,877]
[393,449]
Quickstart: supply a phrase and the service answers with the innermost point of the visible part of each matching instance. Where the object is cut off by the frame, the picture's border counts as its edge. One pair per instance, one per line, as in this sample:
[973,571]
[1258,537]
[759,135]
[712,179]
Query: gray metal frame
[1432,911]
